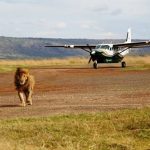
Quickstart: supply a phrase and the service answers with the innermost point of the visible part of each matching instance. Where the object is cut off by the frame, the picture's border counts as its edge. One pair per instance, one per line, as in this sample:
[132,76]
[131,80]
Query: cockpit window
[105,47]
[98,46]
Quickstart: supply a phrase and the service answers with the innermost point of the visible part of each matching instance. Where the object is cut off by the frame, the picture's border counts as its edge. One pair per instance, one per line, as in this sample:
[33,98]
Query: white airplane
[108,53]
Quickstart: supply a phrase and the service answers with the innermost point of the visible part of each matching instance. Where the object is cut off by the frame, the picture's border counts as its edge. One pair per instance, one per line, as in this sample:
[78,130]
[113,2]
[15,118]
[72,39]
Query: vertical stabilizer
[128,38]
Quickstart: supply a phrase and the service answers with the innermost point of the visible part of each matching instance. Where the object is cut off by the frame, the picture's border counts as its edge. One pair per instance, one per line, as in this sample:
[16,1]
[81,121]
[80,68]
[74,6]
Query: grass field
[9,65]
[117,130]
[127,129]
[133,62]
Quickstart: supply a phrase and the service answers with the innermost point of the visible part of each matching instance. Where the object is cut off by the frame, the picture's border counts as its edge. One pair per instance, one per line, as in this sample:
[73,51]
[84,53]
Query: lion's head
[21,77]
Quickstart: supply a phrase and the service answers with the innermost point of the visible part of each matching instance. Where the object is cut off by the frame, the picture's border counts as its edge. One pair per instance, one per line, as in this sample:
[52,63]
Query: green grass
[117,130]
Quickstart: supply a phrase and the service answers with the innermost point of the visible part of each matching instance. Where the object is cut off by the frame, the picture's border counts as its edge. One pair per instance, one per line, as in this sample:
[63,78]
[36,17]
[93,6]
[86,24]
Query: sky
[92,19]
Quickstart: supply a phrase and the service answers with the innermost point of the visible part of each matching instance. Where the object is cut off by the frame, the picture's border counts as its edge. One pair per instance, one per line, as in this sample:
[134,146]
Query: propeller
[90,53]
[90,60]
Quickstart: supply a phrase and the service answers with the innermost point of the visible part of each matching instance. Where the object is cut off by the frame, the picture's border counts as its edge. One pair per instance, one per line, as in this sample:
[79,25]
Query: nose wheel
[95,66]
[123,64]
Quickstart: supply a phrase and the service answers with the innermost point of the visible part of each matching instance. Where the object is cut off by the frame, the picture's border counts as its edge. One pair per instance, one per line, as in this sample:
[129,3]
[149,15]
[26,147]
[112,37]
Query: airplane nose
[92,55]
[93,52]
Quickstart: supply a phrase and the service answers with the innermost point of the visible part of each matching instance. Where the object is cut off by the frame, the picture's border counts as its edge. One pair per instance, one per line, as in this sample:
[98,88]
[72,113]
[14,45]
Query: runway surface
[65,91]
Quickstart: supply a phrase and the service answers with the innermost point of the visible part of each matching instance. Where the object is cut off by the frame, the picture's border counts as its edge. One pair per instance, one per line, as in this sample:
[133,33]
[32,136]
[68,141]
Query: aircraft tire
[95,65]
[123,64]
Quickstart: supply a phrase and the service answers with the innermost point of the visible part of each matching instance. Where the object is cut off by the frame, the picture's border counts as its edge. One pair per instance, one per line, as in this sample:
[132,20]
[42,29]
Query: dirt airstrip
[62,91]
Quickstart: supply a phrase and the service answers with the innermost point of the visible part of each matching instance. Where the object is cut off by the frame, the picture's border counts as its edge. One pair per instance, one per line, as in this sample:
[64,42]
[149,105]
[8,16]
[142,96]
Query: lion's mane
[29,84]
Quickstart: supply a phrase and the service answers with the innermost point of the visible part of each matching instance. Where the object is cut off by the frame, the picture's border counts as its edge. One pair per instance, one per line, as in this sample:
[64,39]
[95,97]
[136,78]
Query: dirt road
[60,91]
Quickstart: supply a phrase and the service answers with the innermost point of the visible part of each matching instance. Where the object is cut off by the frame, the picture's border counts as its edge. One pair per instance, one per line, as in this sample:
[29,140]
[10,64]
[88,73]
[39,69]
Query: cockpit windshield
[98,46]
[105,47]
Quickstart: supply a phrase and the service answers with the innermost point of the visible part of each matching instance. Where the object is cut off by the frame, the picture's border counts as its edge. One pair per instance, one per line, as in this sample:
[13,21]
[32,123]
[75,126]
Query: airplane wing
[133,45]
[87,48]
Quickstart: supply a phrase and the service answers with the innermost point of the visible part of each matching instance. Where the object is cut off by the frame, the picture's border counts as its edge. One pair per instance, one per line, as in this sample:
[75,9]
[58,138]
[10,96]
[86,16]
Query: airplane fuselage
[105,53]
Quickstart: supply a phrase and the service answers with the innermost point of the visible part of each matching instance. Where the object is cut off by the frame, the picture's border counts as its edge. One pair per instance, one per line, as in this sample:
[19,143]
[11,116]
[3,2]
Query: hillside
[12,48]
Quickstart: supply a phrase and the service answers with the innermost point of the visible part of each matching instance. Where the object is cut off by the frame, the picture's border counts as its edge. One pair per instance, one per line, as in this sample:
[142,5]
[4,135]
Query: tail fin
[128,38]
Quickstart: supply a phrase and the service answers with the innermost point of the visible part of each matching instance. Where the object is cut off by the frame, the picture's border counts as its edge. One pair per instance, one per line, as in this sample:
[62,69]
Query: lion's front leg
[29,97]
[21,96]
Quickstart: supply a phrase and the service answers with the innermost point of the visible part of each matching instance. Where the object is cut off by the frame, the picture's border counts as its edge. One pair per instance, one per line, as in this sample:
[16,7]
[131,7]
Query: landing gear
[123,64]
[95,65]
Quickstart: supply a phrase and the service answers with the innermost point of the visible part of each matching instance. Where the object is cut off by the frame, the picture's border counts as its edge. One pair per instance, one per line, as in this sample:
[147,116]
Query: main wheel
[95,65]
[123,64]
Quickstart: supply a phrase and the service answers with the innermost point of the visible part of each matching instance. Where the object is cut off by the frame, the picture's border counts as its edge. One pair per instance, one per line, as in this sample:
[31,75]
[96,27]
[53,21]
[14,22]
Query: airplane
[108,53]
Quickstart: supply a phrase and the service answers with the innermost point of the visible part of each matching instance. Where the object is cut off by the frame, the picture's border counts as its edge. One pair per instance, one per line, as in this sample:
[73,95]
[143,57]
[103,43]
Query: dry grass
[46,62]
[9,65]
[135,62]
[138,60]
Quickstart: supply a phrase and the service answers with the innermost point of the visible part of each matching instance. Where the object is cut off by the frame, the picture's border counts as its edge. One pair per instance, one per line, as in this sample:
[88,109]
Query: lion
[24,83]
